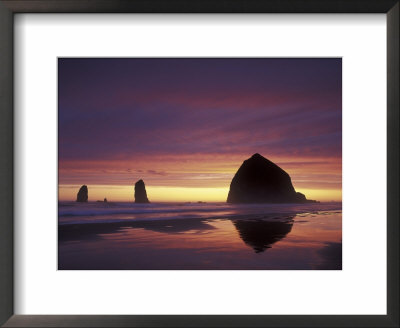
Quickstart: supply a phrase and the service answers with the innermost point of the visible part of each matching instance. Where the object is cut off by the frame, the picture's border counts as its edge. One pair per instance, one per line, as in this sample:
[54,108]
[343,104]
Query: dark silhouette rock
[260,234]
[105,200]
[258,180]
[82,195]
[140,192]
[301,197]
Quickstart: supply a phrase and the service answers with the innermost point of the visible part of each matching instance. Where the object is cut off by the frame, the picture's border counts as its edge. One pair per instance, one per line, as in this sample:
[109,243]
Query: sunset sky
[185,126]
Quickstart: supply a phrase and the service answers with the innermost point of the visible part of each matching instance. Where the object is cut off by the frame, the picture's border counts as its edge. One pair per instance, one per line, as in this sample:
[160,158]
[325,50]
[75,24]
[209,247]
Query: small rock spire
[82,195]
[140,192]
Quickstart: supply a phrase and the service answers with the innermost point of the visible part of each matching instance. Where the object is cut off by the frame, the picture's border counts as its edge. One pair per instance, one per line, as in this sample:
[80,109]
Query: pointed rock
[82,195]
[140,192]
[258,180]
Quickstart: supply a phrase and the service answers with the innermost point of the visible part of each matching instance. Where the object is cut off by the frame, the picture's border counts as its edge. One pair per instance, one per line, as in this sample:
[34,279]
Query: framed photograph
[178,129]
[199,164]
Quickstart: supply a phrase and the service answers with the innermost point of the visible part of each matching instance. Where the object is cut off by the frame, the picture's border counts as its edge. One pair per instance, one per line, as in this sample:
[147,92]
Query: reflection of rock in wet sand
[173,226]
[74,232]
[261,234]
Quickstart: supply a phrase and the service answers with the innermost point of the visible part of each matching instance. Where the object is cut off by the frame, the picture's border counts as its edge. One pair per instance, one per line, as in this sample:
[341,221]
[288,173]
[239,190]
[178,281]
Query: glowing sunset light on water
[185,126]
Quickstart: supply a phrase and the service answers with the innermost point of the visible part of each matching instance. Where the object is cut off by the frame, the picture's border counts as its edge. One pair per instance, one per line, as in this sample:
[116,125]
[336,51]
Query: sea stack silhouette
[140,192]
[258,180]
[82,195]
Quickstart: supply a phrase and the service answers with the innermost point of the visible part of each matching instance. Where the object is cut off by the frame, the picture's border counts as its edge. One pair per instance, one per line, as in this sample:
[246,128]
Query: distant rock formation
[258,180]
[82,195]
[105,200]
[140,192]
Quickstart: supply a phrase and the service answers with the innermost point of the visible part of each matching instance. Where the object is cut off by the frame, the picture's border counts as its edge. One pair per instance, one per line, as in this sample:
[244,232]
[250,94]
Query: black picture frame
[10,7]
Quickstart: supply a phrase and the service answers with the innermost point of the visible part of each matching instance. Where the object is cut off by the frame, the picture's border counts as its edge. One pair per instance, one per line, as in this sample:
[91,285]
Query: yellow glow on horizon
[184,194]
[154,193]
[322,195]
[125,193]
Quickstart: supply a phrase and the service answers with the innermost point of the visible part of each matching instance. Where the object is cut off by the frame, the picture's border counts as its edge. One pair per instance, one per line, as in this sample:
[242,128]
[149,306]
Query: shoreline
[302,241]
[68,231]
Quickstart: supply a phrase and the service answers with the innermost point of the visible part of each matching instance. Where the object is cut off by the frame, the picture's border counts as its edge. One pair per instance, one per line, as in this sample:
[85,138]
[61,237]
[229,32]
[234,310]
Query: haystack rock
[140,192]
[82,195]
[258,180]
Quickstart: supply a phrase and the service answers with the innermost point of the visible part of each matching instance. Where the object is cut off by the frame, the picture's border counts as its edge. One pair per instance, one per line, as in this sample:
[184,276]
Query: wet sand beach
[213,239]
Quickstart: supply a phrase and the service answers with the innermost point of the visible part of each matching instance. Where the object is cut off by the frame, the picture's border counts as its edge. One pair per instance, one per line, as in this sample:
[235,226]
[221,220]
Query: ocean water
[197,236]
